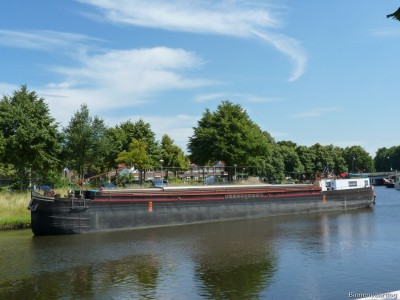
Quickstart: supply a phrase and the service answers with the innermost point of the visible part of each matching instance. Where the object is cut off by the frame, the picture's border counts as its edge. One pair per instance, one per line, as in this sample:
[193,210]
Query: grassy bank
[13,210]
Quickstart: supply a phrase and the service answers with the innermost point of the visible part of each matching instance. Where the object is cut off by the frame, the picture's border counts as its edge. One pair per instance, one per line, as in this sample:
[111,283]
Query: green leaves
[387,159]
[84,145]
[136,156]
[395,15]
[228,134]
[141,131]
[30,145]
[172,155]
[30,139]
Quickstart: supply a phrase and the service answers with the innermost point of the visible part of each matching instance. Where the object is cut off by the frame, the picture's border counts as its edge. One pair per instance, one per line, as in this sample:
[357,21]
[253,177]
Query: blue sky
[306,71]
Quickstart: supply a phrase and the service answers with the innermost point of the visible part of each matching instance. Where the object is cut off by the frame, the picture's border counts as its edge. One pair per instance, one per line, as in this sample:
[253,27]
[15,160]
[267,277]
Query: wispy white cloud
[121,79]
[108,79]
[237,97]
[236,18]
[133,74]
[244,19]
[386,32]
[137,71]
[6,89]
[316,112]
[44,40]
[292,48]
[211,97]
[279,134]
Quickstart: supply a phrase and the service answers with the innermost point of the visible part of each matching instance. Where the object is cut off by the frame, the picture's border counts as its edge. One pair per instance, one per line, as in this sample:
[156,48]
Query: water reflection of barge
[96,210]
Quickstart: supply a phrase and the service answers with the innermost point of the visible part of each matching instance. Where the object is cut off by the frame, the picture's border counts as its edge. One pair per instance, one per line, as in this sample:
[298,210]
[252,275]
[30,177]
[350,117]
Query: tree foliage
[395,15]
[141,131]
[30,145]
[29,135]
[172,155]
[84,144]
[290,157]
[307,159]
[228,134]
[115,139]
[137,155]
[387,159]
[363,162]
[324,159]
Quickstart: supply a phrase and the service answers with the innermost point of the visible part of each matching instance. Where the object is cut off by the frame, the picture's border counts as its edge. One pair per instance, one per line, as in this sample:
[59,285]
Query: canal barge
[84,211]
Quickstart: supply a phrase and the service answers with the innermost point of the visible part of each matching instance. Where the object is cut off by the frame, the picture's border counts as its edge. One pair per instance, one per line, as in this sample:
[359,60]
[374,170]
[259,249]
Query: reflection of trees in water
[236,275]
[237,261]
[87,281]
[74,283]
[142,271]
[229,258]
[81,281]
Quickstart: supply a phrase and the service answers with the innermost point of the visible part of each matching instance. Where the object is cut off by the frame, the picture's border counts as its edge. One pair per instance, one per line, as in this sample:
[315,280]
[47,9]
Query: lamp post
[390,163]
[352,164]
[235,165]
[162,177]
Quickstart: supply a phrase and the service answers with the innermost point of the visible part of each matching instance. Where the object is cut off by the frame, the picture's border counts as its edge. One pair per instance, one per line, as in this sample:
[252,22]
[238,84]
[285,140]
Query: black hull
[103,212]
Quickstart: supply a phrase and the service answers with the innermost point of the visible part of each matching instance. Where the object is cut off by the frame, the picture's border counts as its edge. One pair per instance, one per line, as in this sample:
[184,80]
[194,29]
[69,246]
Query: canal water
[315,256]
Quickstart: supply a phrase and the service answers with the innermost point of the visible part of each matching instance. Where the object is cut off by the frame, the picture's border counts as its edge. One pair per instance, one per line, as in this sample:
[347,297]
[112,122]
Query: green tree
[289,144]
[270,164]
[394,158]
[6,169]
[172,155]
[84,145]
[137,156]
[141,131]
[339,163]
[323,159]
[115,139]
[2,145]
[395,15]
[363,162]
[307,158]
[381,160]
[30,137]
[387,159]
[2,151]
[291,159]
[327,159]
[269,137]
[228,134]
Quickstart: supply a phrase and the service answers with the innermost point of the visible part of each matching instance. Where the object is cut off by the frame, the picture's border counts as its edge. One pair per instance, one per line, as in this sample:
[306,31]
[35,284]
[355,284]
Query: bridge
[375,177]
